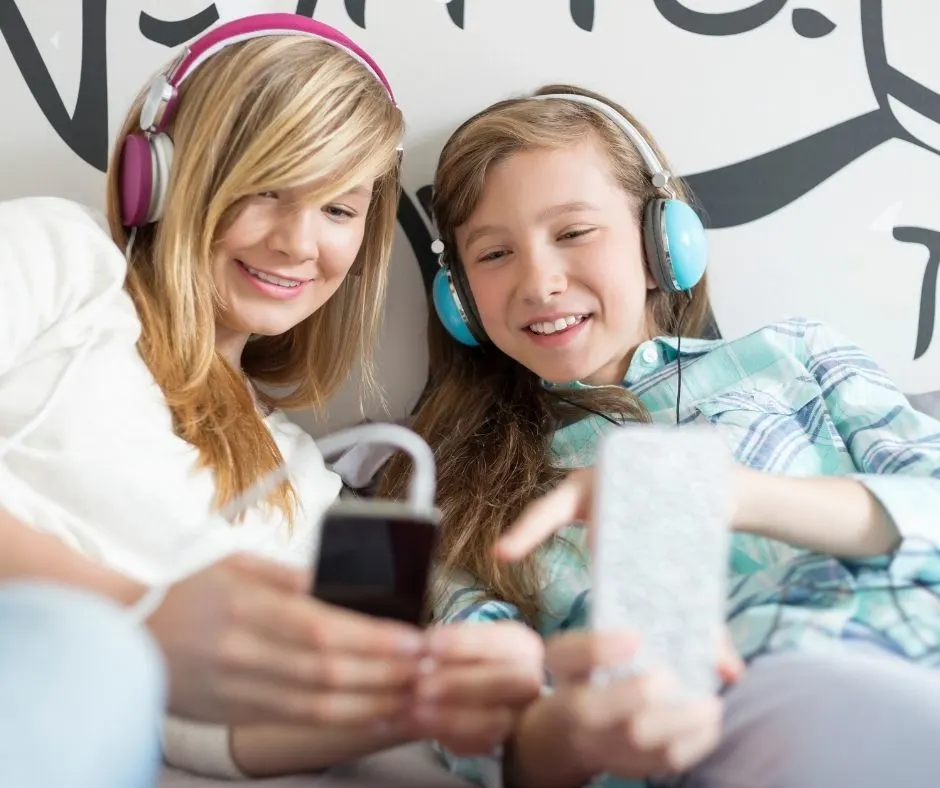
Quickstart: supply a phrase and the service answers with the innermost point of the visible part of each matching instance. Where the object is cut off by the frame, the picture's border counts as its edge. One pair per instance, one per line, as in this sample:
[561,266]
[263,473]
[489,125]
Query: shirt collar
[651,356]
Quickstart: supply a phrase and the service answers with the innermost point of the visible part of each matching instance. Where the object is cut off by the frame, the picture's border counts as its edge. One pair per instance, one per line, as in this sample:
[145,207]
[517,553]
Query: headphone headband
[146,155]
[155,113]
[659,175]
[674,241]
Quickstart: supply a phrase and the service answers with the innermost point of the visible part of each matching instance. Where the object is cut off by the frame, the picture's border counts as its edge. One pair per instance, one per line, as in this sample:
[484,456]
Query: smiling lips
[281,287]
[557,325]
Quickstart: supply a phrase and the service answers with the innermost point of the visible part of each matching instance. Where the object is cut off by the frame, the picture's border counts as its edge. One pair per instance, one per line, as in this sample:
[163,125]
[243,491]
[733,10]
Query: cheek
[338,250]
[489,297]
[249,228]
[625,285]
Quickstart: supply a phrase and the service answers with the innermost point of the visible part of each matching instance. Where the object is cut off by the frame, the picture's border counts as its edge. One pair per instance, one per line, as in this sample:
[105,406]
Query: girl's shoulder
[57,250]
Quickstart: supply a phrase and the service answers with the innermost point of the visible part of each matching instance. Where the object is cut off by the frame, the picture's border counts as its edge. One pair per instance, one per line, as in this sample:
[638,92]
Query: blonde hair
[488,419]
[271,113]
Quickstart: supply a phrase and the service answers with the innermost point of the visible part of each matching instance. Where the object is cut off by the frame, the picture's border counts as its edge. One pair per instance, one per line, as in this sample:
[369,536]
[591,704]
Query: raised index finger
[561,507]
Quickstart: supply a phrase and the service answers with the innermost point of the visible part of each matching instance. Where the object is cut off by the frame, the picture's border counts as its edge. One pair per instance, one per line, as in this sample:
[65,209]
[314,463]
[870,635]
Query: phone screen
[376,564]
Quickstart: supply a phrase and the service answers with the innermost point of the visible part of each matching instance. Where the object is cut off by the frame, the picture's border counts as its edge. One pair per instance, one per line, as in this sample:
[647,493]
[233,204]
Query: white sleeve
[56,259]
[200,748]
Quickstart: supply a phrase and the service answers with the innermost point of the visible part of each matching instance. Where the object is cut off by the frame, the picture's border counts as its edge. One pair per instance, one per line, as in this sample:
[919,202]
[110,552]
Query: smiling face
[553,256]
[282,258]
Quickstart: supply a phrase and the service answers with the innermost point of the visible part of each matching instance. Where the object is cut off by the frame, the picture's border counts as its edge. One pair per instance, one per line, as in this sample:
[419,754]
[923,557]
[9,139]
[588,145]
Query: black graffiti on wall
[730,196]
[176,32]
[85,131]
[751,189]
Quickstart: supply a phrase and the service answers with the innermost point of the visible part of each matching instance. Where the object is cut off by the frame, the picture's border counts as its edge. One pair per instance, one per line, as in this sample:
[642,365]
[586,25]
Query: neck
[614,372]
[230,345]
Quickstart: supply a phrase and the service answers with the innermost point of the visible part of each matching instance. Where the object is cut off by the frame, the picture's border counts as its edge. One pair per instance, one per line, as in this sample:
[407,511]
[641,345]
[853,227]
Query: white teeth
[550,327]
[270,278]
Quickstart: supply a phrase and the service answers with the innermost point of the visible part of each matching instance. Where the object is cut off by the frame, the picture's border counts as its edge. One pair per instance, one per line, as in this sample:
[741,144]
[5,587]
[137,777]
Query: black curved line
[730,23]
[172,33]
[742,192]
[886,80]
[86,130]
[356,10]
[456,11]
[928,291]
[582,12]
[419,237]
[306,7]
[425,196]
[913,94]
[873,45]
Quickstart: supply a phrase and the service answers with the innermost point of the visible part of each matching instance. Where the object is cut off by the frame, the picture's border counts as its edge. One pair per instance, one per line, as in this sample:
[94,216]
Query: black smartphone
[375,558]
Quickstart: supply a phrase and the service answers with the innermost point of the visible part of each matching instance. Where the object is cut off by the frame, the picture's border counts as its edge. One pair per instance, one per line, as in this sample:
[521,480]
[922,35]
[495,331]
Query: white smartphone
[660,547]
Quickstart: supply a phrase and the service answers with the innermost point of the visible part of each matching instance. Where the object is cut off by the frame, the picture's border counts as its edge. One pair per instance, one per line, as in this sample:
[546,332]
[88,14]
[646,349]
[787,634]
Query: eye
[340,212]
[268,195]
[491,256]
[569,235]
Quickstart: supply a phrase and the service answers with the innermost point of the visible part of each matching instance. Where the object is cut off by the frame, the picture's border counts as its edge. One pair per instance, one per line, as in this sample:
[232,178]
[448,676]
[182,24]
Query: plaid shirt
[792,398]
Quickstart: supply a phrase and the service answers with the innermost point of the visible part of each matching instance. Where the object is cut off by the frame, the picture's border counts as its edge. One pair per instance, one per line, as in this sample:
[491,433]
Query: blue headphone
[673,238]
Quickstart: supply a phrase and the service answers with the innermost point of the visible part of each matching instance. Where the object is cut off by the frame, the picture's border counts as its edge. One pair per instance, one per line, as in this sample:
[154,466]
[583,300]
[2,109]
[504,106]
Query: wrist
[267,750]
[753,496]
[541,754]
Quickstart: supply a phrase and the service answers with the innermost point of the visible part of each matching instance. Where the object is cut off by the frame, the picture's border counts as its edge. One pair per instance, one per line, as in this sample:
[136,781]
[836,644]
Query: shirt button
[650,355]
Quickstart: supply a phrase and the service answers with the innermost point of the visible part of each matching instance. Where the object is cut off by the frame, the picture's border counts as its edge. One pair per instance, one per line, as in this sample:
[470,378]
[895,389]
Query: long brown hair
[488,419]
[271,113]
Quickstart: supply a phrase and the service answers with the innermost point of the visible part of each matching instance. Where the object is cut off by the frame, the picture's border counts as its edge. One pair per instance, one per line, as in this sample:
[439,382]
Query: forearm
[275,750]
[541,755]
[30,554]
[826,514]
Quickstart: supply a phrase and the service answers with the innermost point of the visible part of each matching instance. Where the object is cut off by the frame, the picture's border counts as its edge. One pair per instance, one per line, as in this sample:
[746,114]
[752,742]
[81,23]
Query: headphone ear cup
[449,309]
[162,147]
[465,296]
[654,245]
[676,244]
[135,177]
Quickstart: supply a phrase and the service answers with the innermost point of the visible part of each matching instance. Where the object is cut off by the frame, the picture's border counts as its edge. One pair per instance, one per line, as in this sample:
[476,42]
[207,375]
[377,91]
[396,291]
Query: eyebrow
[548,213]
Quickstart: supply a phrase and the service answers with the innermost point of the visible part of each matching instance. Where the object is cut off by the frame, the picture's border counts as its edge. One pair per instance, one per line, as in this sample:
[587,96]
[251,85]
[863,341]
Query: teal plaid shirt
[793,398]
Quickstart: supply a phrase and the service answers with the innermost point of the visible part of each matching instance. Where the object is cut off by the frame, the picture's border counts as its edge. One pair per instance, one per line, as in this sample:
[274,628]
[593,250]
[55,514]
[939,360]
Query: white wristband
[200,748]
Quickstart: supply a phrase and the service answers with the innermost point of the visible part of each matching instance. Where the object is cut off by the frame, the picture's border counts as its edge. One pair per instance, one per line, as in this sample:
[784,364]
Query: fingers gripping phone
[660,547]
[375,558]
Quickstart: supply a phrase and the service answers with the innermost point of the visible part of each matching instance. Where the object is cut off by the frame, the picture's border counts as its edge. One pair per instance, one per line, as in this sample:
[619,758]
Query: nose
[296,233]
[541,275]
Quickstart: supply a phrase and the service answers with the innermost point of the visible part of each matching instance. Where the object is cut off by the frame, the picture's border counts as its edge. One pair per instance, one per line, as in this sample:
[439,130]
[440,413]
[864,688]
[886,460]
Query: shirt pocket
[778,427]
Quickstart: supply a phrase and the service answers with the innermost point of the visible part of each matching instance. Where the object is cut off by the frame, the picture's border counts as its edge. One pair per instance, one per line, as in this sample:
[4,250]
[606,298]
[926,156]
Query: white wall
[812,138]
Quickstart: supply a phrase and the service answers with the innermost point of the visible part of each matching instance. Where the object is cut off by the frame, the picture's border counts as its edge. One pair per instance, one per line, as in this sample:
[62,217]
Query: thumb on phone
[730,665]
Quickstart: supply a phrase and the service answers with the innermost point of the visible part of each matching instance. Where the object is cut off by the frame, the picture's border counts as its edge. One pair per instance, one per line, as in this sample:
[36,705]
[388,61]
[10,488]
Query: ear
[648,277]
[644,257]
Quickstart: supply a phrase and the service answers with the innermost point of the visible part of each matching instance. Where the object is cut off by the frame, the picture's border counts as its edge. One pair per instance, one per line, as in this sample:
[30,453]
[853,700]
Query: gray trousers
[855,720]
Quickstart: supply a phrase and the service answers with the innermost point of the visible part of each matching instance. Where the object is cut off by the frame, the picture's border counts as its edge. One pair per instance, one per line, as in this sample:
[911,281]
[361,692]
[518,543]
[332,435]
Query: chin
[560,377]
[268,328]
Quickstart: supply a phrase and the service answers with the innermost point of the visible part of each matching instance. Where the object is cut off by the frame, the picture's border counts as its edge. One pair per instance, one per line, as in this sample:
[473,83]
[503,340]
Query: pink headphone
[146,155]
